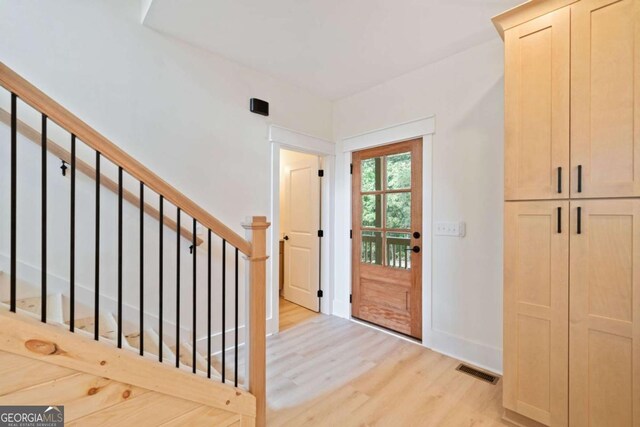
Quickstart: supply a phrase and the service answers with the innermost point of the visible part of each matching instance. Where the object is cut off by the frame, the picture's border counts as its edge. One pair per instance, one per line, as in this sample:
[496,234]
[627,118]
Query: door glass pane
[371,171]
[398,210]
[398,253]
[399,171]
[372,210]
[371,251]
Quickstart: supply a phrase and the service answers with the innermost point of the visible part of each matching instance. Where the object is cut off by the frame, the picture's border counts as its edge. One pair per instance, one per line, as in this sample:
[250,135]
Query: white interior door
[302,246]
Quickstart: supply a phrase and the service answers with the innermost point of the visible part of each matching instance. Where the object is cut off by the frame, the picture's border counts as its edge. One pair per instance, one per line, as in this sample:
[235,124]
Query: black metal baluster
[120,191]
[193,350]
[235,374]
[72,242]
[43,259]
[161,279]
[96,304]
[141,268]
[178,290]
[14,200]
[209,304]
[224,303]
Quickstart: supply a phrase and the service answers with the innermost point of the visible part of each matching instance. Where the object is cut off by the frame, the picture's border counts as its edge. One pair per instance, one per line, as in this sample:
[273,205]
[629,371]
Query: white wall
[465,92]
[181,111]
[184,113]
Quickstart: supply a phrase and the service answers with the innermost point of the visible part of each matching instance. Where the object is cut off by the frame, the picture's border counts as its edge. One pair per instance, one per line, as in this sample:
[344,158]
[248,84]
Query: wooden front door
[387,236]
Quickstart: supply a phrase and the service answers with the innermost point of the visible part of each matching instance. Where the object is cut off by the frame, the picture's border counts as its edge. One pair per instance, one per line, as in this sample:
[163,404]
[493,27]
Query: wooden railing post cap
[256,223]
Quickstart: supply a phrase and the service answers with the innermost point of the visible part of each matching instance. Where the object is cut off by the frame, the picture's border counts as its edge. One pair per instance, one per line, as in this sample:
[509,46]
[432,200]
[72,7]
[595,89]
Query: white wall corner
[145,6]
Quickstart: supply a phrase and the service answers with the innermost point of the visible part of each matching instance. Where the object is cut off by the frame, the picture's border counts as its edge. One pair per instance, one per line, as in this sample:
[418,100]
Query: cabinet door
[537,108]
[605,131]
[604,362]
[536,310]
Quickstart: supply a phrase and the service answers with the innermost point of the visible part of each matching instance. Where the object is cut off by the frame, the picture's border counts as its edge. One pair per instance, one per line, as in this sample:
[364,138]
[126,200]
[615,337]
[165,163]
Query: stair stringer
[26,336]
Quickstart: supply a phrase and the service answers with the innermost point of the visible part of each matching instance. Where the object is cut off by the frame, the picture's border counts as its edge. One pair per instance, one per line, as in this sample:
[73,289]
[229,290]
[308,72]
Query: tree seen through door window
[386,204]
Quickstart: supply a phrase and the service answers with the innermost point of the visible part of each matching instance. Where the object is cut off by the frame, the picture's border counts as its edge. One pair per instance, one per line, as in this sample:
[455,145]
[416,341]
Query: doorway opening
[300,237]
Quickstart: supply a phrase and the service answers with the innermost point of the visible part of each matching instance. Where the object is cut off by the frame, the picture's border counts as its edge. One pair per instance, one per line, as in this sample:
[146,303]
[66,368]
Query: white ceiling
[333,48]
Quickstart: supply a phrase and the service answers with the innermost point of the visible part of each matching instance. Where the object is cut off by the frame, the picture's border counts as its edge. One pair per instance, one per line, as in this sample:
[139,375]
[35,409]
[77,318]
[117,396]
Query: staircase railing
[85,168]
[253,247]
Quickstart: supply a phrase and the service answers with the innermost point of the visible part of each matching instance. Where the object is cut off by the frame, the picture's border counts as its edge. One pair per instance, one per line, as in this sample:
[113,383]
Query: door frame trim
[287,139]
[421,128]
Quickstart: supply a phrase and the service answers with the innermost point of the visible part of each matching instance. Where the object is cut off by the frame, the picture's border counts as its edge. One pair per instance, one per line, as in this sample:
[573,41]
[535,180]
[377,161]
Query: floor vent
[492,379]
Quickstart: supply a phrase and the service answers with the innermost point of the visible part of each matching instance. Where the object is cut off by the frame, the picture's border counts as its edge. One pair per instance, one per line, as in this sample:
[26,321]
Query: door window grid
[385,238]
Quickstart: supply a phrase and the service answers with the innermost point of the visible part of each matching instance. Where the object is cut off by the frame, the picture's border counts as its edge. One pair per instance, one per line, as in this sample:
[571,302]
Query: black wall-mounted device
[259,106]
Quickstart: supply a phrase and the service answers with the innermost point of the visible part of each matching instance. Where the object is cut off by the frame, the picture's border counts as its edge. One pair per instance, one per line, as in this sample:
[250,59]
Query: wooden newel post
[257,294]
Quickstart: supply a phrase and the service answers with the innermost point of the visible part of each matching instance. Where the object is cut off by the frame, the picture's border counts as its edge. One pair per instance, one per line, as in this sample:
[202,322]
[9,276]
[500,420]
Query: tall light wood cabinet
[572,213]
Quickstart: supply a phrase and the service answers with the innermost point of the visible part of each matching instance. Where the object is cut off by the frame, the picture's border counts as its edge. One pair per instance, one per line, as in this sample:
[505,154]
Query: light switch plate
[450,228]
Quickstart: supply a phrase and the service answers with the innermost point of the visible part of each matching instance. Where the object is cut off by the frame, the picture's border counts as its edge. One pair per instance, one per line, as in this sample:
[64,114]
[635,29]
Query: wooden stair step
[216,363]
[32,306]
[151,345]
[186,357]
[108,328]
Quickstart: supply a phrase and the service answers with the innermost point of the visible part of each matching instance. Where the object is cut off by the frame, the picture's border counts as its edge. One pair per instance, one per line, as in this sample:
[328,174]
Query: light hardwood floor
[327,371]
[291,314]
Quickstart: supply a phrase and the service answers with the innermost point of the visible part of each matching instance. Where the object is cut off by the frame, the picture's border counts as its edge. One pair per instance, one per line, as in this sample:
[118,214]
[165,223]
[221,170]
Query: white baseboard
[477,354]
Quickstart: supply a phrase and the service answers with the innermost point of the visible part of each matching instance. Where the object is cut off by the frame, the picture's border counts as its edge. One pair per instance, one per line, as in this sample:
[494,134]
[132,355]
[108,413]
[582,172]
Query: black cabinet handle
[579,179]
[559,220]
[286,237]
[579,220]
[416,249]
[559,179]
[416,235]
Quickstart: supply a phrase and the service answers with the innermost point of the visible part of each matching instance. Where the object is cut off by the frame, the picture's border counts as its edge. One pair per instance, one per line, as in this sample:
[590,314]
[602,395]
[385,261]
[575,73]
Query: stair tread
[32,307]
[105,330]
[186,357]
[32,304]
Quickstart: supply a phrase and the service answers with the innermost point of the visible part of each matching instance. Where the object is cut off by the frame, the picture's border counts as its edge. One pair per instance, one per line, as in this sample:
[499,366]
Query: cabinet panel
[536,310]
[605,139]
[537,108]
[605,313]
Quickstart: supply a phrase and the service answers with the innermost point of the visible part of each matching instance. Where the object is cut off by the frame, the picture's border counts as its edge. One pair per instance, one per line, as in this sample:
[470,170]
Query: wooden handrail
[88,170]
[31,95]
